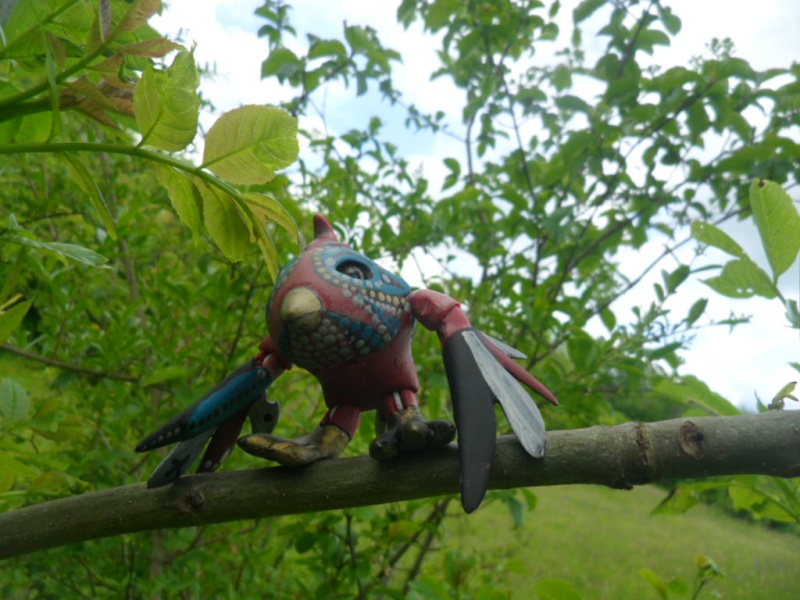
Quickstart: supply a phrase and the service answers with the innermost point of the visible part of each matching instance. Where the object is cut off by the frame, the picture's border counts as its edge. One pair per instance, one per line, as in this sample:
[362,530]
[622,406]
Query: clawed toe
[408,432]
[327,441]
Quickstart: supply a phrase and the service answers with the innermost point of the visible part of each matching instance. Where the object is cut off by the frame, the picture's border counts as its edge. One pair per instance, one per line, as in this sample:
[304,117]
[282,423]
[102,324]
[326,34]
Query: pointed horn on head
[323,230]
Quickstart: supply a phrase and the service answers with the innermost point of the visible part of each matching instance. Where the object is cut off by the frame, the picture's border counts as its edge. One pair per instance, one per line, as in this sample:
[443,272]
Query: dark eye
[354,269]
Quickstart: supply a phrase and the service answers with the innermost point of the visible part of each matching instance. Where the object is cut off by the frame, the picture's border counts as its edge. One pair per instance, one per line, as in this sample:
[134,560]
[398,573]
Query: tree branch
[620,457]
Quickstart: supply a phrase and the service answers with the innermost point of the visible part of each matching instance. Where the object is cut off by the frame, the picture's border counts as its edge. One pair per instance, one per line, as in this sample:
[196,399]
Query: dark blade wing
[474,414]
[236,392]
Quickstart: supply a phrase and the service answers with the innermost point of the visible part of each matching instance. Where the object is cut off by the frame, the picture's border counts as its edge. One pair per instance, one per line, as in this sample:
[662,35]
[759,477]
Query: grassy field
[598,539]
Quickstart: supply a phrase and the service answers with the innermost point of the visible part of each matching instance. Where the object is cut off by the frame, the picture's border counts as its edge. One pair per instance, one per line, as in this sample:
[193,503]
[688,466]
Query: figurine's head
[332,304]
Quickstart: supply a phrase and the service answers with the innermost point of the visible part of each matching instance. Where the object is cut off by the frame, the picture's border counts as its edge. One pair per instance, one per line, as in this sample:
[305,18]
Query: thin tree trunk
[619,457]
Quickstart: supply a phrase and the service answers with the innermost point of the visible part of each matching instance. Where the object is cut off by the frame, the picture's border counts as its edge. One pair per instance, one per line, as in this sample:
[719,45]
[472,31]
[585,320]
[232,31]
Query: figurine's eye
[354,269]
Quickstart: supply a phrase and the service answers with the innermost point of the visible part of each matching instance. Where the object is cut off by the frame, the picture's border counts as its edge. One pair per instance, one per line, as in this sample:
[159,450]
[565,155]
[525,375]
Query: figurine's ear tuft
[323,229]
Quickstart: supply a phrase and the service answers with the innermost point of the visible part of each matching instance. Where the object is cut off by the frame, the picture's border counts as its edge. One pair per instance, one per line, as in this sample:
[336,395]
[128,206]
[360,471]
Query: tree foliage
[114,312]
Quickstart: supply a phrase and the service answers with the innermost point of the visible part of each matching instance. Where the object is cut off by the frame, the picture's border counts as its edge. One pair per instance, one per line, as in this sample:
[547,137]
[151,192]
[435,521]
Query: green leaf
[692,391]
[556,589]
[11,468]
[272,210]
[57,482]
[515,510]
[609,319]
[696,311]
[282,63]
[12,318]
[166,104]
[327,48]
[357,37]
[61,250]
[248,144]
[778,224]
[586,9]
[677,277]
[708,234]
[659,585]
[89,185]
[256,221]
[671,22]
[748,497]
[165,374]
[14,402]
[224,222]
[677,502]
[742,279]
[183,195]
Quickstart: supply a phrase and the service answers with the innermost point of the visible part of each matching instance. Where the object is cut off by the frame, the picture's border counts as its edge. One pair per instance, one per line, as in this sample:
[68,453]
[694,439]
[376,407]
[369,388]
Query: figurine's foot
[407,431]
[327,441]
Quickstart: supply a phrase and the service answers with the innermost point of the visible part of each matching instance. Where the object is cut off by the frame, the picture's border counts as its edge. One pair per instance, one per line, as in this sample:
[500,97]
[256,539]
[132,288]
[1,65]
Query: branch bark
[619,457]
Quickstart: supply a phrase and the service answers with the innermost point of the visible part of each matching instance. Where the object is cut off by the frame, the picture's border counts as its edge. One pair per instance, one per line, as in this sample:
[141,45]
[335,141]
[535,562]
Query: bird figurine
[349,322]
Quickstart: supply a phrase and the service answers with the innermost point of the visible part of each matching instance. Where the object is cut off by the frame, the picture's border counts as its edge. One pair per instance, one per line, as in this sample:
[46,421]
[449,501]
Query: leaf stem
[61,147]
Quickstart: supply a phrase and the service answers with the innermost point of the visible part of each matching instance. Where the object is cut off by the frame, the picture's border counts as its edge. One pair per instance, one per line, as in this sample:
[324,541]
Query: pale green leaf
[758,504]
[271,209]
[709,234]
[89,185]
[690,390]
[61,250]
[14,402]
[696,311]
[778,224]
[183,195]
[12,468]
[586,9]
[166,104]
[269,252]
[55,482]
[224,222]
[248,144]
[742,279]
[556,589]
[659,585]
[165,374]
[12,318]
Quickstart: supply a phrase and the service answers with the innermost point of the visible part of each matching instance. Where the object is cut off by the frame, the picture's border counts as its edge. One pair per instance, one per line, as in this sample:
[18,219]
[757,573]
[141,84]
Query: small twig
[68,367]
[437,516]
[353,553]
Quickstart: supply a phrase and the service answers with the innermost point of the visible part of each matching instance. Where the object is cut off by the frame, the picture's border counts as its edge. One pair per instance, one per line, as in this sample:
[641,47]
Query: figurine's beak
[301,310]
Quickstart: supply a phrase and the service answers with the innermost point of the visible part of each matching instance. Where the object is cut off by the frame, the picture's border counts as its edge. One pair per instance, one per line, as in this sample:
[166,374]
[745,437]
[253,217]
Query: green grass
[598,539]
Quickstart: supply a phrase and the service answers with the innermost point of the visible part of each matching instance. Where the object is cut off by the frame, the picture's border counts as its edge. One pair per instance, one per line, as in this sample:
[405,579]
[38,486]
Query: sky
[751,359]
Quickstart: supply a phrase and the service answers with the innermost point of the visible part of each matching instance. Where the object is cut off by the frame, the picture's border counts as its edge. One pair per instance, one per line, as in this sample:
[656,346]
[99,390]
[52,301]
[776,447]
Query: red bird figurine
[349,322]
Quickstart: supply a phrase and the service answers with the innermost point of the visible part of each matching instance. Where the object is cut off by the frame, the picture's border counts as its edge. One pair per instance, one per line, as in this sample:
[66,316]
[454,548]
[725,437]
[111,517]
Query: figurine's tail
[263,418]
[219,416]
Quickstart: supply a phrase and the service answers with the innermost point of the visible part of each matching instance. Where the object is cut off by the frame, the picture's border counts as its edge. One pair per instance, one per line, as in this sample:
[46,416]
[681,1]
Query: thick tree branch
[619,457]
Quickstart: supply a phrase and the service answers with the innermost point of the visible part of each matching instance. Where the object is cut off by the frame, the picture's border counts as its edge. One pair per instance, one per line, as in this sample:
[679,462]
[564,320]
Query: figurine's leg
[327,441]
[406,430]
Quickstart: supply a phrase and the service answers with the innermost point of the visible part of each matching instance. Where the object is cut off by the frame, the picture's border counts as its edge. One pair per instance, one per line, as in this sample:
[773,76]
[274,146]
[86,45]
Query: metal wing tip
[537,452]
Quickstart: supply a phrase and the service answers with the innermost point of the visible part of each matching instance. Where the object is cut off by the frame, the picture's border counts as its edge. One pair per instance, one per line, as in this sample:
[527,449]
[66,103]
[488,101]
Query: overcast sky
[767,34]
